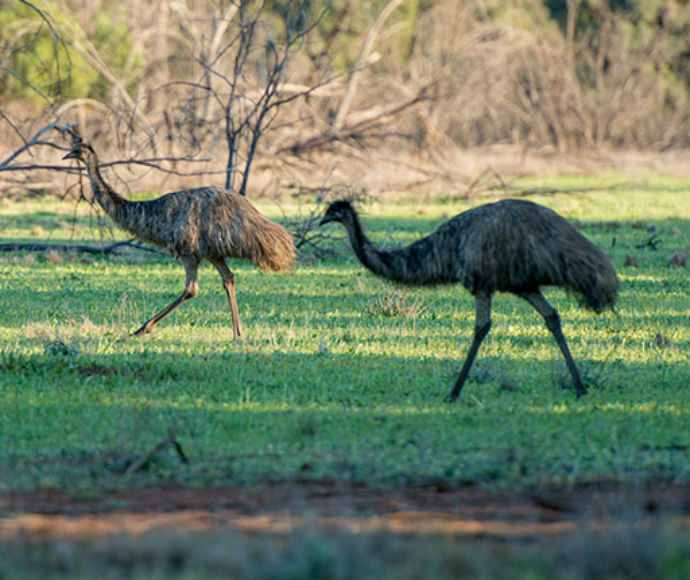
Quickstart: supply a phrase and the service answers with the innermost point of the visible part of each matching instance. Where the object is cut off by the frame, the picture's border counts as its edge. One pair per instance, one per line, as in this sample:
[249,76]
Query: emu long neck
[414,264]
[114,205]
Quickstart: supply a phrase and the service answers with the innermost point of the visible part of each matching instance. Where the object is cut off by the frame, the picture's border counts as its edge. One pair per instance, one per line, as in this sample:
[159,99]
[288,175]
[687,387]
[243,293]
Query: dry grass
[393,301]
[73,333]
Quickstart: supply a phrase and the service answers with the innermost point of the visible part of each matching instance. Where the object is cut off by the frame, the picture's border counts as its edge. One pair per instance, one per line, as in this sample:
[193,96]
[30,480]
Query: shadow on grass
[80,420]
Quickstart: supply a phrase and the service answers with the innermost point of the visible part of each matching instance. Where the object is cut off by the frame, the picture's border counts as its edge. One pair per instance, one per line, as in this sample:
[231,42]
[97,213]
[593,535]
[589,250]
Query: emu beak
[327,219]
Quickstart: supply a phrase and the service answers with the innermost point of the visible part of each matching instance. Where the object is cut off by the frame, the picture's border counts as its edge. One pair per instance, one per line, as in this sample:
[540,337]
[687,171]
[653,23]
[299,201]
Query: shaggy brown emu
[511,246]
[194,224]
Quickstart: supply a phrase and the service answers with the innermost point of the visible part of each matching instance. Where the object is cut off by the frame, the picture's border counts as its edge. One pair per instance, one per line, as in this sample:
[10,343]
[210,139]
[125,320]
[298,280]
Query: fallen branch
[652,242]
[109,249]
[162,444]
[490,180]
[553,190]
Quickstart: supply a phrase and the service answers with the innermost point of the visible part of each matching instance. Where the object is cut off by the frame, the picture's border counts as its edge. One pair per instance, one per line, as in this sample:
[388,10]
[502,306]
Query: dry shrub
[474,74]
[630,260]
[516,80]
[394,301]
[680,259]
[53,257]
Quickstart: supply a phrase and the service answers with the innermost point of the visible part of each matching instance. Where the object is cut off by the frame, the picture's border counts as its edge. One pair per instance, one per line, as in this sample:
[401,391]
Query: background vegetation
[188,86]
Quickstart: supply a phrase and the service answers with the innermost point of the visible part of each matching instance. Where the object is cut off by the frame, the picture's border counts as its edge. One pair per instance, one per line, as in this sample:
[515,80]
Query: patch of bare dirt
[283,507]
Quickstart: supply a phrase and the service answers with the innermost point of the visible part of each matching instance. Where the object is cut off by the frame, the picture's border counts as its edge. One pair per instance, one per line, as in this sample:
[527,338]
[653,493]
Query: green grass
[340,375]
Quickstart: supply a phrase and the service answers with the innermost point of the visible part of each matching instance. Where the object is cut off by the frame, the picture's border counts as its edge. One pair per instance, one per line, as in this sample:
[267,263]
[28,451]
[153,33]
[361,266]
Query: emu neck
[113,204]
[388,265]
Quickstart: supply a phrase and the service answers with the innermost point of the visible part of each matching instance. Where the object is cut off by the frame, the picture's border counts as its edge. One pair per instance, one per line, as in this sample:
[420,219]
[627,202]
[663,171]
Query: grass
[341,375]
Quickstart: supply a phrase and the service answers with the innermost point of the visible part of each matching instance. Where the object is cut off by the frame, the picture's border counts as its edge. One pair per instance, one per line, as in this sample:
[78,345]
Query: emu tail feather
[279,254]
[274,249]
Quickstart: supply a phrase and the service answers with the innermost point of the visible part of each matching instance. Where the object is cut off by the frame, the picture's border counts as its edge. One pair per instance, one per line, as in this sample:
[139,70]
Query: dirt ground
[282,507]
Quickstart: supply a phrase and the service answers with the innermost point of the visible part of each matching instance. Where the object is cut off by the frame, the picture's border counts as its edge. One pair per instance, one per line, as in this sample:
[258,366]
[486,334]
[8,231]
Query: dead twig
[306,231]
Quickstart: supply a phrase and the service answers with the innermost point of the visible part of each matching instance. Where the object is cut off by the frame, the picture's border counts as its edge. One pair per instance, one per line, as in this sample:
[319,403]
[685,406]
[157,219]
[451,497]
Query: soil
[284,506]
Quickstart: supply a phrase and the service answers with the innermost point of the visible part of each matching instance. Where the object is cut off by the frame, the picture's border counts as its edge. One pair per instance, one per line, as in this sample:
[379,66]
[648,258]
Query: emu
[206,223]
[510,246]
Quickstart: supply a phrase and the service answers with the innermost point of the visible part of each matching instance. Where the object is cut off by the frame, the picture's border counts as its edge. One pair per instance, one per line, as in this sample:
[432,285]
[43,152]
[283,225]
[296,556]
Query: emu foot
[450,397]
[143,330]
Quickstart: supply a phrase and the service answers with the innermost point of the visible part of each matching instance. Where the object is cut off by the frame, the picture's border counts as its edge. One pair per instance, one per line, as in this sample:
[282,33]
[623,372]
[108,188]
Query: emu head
[80,150]
[338,211]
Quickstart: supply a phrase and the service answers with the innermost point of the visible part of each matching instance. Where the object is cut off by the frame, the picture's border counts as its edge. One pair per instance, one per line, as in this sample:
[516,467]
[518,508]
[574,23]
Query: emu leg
[482,325]
[191,289]
[553,323]
[229,284]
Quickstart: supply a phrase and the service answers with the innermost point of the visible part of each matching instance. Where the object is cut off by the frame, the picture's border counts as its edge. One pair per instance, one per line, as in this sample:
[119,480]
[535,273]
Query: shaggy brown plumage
[207,223]
[511,246]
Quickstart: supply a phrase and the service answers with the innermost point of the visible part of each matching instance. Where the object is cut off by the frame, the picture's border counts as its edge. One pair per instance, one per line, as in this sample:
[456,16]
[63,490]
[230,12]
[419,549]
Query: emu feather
[206,223]
[510,246]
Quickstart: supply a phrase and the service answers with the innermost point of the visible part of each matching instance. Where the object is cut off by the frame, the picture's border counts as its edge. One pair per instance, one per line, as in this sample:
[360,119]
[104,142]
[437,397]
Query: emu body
[510,246]
[207,223]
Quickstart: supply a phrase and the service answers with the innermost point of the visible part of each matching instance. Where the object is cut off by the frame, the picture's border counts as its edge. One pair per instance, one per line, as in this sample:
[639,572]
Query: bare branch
[367,120]
[362,61]
[32,142]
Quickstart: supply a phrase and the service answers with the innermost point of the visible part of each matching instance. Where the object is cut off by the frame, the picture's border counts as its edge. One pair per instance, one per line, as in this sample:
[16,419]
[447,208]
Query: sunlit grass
[339,374]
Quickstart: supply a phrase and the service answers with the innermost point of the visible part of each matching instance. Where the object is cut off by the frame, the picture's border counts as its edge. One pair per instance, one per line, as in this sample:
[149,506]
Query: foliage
[326,384]
[40,65]
[564,74]
[569,75]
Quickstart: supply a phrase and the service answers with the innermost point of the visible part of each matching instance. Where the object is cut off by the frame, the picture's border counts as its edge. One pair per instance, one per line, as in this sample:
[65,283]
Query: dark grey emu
[207,223]
[511,246]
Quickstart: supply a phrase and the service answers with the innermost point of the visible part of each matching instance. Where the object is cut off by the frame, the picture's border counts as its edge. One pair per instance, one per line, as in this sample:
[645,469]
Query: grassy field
[341,375]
